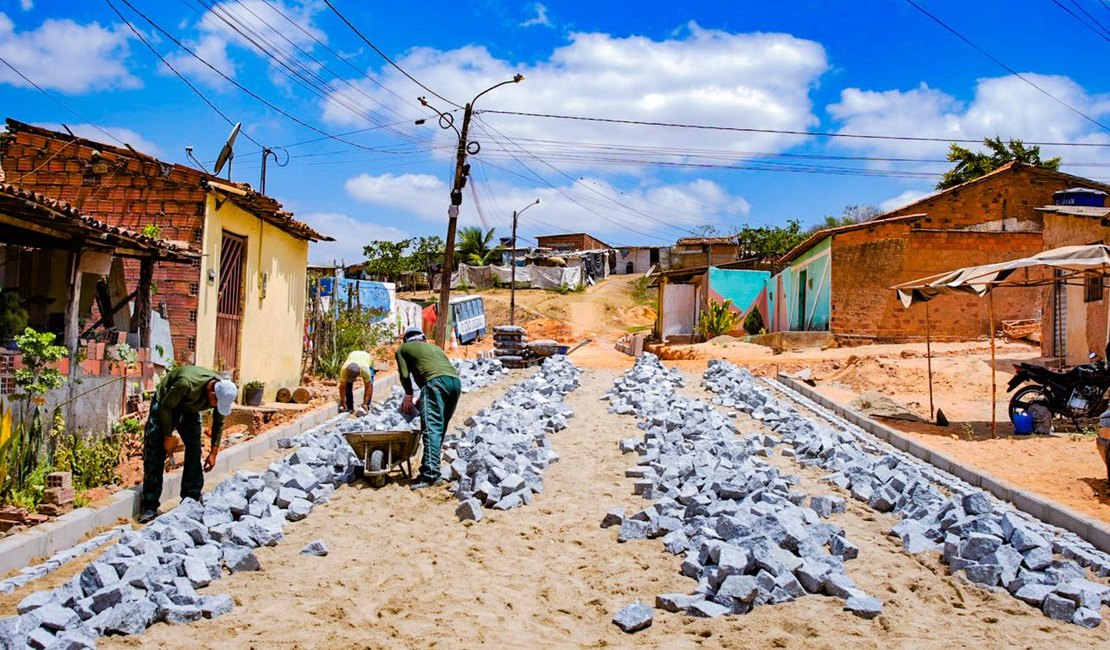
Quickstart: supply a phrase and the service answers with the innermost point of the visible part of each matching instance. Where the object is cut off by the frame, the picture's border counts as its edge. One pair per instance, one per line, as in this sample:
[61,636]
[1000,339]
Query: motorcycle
[1076,393]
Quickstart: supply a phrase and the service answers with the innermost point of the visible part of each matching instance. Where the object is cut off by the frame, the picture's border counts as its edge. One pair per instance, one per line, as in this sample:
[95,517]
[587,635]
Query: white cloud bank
[351,235]
[67,56]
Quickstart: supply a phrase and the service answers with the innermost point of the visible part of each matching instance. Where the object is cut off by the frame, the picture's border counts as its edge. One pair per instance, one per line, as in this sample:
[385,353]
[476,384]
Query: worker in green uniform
[439,395]
[184,393]
[358,364]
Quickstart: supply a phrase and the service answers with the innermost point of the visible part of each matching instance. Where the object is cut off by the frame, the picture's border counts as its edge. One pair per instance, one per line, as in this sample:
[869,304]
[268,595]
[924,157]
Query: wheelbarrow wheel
[377,464]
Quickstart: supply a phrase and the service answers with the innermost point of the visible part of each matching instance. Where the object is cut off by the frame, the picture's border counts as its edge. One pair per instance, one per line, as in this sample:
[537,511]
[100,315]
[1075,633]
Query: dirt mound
[638,315]
[497,313]
[546,328]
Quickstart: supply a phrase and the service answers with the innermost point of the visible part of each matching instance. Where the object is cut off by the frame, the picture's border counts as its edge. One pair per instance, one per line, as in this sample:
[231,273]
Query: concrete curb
[1093,531]
[17,551]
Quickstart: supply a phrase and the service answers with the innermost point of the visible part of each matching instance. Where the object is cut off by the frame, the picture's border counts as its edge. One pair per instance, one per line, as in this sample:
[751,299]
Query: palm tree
[473,246]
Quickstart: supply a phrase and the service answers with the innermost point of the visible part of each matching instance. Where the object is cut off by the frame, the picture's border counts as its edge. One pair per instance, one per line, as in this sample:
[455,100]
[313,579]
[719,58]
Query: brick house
[839,279]
[1075,315]
[241,306]
[573,242]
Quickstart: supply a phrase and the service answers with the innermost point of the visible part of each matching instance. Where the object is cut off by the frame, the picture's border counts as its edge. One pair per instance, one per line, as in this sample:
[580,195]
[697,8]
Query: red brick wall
[126,191]
[866,263]
[574,242]
[1063,230]
[1010,194]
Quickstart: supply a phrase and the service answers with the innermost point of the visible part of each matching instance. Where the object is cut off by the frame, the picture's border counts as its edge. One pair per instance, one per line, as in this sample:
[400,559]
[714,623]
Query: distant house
[640,259]
[573,242]
[839,279]
[1075,315]
[239,307]
[692,252]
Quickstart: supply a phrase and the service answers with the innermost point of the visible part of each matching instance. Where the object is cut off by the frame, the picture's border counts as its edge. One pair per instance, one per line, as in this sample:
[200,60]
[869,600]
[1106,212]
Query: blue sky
[878,67]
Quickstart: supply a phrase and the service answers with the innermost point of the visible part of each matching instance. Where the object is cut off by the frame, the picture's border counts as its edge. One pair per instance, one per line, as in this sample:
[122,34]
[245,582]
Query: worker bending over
[184,393]
[358,364]
[439,395]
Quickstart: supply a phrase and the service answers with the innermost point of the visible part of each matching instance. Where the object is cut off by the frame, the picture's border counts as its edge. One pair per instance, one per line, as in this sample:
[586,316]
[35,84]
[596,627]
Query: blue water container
[1023,424]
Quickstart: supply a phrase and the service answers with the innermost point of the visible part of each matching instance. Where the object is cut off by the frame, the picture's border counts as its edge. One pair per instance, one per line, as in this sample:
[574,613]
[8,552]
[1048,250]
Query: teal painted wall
[786,296]
[742,287]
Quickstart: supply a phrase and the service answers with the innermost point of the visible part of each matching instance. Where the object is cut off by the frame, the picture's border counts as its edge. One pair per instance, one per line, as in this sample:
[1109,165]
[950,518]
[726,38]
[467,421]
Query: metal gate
[229,309]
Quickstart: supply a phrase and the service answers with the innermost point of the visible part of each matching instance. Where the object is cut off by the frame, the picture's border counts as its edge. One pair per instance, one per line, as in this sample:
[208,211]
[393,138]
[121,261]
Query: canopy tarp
[1069,261]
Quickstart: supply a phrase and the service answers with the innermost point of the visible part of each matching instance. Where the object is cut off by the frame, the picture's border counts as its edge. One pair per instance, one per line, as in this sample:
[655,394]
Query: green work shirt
[422,361]
[365,367]
[185,390]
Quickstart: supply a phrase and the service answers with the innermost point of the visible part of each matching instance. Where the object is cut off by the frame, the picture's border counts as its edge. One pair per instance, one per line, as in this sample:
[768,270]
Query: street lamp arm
[515,80]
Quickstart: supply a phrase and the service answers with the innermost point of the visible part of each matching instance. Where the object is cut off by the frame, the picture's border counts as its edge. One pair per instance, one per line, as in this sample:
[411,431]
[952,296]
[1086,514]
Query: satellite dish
[227,153]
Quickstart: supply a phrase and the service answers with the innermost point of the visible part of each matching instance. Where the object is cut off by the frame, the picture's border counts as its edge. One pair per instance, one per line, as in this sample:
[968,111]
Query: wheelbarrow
[382,451]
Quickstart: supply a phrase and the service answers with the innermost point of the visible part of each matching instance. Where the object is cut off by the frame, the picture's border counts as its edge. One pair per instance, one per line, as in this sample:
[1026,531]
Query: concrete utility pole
[512,266]
[462,170]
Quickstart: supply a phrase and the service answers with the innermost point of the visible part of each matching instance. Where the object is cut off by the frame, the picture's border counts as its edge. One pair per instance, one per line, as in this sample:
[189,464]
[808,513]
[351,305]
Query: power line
[740,129]
[59,102]
[1008,68]
[386,57]
[1099,30]
[180,76]
[240,86]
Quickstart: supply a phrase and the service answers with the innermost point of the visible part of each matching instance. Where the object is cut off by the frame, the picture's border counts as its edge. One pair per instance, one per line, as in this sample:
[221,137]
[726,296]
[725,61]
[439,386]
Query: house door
[229,310]
[653,257]
[803,278]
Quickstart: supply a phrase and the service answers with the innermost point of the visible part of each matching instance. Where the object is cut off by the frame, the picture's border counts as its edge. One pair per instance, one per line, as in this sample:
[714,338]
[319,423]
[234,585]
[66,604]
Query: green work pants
[154,457]
[438,399]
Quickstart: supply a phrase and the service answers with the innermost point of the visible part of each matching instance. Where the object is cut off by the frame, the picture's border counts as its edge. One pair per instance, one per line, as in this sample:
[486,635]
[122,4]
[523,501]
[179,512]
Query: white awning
[1070,261]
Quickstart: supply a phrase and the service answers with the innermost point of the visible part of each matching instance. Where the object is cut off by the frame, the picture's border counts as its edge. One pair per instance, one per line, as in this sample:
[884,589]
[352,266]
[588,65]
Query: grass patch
[642,294]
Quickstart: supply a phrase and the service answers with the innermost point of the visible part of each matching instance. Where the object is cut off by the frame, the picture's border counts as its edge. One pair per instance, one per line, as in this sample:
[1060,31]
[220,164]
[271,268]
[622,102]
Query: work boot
[147,516]
[422,483]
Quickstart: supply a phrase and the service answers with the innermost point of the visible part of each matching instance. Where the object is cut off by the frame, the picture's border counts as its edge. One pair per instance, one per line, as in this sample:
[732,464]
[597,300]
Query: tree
[769,241]
[386,260]
[707,230]
[972,164]
[852,214]
[427,253]
[474,246]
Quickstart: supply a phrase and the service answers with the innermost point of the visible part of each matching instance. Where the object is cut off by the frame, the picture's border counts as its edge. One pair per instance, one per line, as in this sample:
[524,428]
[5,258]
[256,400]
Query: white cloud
[1002,106]
[593,205]
[903,199]
[26,5]
[704,76]
[67,56]
[350,234]
[279,27]
[93,132]
[539,19]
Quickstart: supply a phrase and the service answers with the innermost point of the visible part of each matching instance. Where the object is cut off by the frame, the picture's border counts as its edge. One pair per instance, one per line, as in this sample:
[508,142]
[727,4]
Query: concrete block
[634,617]
[469,509]
[706,609]
[132,617]
[1058,608]
[218,605]
[240,558]
[675,602]
[864,606]
[1087,617]
[613,517]
[316,548]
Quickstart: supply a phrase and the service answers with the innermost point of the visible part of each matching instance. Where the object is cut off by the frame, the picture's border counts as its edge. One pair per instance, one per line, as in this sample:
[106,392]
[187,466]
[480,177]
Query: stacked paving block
[58,496]
[510,342]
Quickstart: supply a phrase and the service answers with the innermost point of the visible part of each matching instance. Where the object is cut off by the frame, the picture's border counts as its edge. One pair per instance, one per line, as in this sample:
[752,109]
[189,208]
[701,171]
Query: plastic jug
[1023,423]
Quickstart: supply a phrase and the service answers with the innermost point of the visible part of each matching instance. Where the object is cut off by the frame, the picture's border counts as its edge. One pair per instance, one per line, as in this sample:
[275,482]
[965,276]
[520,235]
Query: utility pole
[462,170]
[512,266]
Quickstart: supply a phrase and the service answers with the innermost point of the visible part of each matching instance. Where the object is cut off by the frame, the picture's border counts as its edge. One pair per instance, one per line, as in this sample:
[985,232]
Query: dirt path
[403,573]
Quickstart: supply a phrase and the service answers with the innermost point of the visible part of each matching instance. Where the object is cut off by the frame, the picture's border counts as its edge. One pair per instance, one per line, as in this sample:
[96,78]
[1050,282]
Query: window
[191,342]
[194,288]
[192,315]
[1093,288]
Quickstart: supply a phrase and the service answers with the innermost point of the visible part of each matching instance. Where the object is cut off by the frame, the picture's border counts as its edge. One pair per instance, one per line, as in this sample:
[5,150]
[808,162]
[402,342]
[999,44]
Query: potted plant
[13,319]
[252,393]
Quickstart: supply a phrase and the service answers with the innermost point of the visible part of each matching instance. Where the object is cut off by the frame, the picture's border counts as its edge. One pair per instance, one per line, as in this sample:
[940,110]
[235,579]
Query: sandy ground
[403,572]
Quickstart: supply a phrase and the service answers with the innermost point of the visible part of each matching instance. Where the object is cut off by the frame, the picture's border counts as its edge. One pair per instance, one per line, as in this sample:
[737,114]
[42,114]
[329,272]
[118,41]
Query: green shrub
[352,329]
[718,319]
[93,460]
[254,385]
[753,324]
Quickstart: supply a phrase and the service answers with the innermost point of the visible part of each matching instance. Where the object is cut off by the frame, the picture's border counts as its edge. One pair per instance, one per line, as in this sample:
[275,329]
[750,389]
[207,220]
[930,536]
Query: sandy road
[403,572]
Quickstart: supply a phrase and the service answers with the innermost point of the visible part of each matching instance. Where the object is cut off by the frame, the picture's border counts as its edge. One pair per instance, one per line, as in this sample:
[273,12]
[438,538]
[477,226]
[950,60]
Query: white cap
[226,392]
[413,334]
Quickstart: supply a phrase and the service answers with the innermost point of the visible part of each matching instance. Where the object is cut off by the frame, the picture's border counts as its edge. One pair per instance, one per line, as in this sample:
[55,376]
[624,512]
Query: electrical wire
[1100,30]
[386,57]
[1008,68]
[739,129]
[180,76]
[240,86]
[59,102]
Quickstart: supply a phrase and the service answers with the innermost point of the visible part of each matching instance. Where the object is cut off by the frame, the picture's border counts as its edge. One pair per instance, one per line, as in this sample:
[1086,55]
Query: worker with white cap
[183,394]
[439,395]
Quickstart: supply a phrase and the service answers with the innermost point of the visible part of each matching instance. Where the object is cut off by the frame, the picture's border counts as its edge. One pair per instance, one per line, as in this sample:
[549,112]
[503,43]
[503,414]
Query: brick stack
[510,343]
[58,497]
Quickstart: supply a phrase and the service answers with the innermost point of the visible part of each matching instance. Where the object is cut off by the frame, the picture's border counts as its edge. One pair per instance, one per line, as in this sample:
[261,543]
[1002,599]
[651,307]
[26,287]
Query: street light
[462,170]
[512,270]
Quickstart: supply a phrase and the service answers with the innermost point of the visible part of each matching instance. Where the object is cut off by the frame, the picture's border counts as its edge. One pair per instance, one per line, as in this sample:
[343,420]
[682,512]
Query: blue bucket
[1023,424]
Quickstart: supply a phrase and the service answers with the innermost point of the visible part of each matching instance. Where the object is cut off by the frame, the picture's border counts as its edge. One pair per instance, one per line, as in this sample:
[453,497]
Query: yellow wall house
[251,302]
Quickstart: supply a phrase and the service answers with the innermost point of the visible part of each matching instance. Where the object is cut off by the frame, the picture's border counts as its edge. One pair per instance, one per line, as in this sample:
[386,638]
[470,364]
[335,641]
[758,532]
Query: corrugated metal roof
[1076,210]
[703,241]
